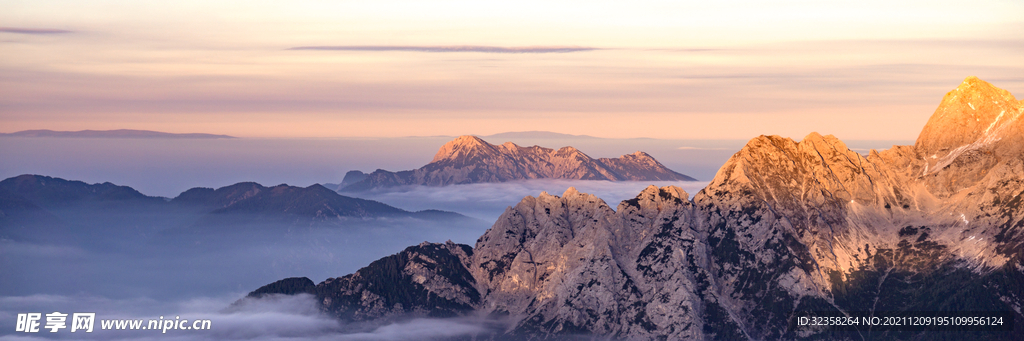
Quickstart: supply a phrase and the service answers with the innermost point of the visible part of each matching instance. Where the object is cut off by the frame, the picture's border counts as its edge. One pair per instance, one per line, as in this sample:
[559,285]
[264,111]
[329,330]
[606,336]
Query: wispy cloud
[462,48]
[22,30]
[687,49]
[703,148]
[488,200]
[425,329]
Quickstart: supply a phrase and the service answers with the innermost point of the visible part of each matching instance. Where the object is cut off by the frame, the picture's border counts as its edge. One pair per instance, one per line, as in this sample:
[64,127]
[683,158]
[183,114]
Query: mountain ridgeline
[784,227]
[469,159]
[31,203]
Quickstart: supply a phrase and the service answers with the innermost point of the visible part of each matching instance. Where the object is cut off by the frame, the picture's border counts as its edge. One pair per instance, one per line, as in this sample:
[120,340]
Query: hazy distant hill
[316,201]
[74,208]
[120,133]
[48,191]
[470,159]
[47,209]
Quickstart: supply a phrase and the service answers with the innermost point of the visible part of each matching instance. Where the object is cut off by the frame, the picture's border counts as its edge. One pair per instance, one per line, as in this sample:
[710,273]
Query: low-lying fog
[135,266]
[129,265]
[133,274]
[274,318]
[488,200]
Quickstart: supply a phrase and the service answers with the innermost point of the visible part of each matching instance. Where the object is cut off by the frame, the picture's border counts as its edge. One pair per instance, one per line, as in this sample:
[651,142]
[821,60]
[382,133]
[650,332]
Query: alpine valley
[784,227]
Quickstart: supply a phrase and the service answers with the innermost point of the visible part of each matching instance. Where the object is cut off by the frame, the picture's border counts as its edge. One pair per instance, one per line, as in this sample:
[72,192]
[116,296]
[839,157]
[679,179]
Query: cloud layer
[488,200]
[22,30]
[457,48]
[271,318]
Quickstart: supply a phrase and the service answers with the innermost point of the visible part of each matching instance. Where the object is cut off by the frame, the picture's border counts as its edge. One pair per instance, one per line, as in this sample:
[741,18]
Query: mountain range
[470,159]
[786,227]
[32,202]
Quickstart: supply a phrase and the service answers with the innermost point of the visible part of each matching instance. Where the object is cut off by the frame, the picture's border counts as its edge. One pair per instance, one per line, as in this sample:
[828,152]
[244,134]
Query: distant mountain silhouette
[60,205]
[470,159]
[48,191]
[120,133]
[314,201]
[352,177]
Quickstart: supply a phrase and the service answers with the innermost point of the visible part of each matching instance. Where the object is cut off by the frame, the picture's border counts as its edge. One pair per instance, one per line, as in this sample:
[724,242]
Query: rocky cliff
[424,280]
[469,159]
[784,227]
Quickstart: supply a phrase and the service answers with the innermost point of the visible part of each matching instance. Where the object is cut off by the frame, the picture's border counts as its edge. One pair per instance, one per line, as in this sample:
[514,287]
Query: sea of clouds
[488,200]
[272,318]
[200,276]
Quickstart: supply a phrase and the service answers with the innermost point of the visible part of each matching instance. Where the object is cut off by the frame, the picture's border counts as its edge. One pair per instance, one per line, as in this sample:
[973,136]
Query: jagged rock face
[975,130]
[973,115]
[815,225]
[469,159]
[784,227]
[522,261]
[425,280]
[787,221]
[812,225]
[570,264]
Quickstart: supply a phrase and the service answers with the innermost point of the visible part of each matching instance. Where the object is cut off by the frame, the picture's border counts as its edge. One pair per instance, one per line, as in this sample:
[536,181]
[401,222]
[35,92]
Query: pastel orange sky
[659,69]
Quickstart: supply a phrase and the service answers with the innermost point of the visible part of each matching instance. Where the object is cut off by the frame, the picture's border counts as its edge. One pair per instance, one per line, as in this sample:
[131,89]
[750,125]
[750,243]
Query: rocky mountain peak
[779,169]
[774,147]
[785,227]
[639,154]
[652,200]
[667,192]
[570,152]
[817,143]
[971,117]
[510,147]
[569,198]
[463,146]
[815,137]
[641,158]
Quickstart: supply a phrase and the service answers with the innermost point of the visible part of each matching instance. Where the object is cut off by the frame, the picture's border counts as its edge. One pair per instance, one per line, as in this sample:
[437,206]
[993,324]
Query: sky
[659,69]
[317,88]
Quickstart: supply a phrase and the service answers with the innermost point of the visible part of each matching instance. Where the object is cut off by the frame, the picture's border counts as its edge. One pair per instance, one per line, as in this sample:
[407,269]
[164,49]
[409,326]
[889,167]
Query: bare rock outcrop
[784,227]
[423,280]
